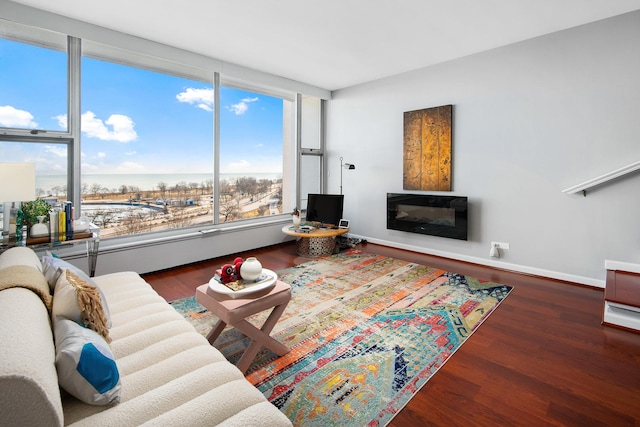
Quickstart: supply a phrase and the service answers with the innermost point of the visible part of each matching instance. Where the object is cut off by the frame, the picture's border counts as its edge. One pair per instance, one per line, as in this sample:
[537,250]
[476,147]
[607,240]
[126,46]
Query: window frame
[119,47]
[27,34]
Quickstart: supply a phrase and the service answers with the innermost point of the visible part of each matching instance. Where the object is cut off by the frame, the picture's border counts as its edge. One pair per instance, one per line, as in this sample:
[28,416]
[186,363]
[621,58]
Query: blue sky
[133,120]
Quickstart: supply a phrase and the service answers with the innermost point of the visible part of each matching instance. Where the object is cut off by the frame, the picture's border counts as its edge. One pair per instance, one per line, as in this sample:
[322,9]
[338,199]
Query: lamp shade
[17,182]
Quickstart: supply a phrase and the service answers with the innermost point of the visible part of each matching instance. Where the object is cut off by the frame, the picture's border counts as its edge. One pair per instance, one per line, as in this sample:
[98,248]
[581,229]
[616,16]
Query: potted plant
[36,212]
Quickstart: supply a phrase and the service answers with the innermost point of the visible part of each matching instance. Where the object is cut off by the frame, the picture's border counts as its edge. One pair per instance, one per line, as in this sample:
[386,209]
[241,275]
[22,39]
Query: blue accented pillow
[85,364]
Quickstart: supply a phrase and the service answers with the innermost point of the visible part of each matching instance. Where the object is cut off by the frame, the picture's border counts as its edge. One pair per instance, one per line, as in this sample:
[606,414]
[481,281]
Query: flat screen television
[324,208]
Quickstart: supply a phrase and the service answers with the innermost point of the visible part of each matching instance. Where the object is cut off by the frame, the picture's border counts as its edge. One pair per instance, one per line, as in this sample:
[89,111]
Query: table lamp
[17,184]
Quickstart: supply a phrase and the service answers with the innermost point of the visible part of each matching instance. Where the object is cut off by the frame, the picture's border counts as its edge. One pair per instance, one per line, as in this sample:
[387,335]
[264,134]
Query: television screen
[325,208]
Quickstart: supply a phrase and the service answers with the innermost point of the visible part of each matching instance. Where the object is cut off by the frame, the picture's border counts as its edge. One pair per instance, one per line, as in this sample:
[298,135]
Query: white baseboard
[587,281]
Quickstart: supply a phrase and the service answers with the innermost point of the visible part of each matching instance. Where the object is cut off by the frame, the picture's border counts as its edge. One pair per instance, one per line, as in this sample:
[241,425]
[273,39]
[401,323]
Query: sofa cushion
[85,364]
[80,301]
[170,374]
[29,392]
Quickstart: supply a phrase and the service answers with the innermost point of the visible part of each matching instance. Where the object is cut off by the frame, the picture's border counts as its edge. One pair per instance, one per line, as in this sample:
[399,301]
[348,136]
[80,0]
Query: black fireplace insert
[443,216]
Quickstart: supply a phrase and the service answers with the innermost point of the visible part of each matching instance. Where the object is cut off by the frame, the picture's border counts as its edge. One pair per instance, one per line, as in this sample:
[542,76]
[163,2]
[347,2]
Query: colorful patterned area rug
[366,332]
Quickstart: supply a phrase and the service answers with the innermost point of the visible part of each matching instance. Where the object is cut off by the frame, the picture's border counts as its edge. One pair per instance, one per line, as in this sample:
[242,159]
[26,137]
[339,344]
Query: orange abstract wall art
[427,149]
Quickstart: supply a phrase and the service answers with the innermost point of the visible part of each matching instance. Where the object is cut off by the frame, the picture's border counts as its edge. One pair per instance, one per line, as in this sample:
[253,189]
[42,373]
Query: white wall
[159,251]
[530,120]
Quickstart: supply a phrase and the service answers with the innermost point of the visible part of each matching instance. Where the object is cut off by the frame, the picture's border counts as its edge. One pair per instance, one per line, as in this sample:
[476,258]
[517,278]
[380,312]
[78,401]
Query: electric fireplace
[443,216]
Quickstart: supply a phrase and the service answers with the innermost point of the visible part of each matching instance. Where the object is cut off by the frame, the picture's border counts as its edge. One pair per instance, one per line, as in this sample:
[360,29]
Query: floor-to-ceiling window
[148,154]
[255,132]
[33,98]
[147,148]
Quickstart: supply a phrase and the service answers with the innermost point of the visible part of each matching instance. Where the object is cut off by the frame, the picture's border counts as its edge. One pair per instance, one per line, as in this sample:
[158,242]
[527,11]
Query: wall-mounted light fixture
[348,166]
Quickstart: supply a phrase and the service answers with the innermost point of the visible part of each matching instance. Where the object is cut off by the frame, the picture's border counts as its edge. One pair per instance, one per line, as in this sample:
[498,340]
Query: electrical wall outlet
[500,245]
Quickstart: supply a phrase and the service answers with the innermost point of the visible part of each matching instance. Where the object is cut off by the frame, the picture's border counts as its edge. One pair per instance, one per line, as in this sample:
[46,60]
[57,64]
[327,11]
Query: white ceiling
[334,44]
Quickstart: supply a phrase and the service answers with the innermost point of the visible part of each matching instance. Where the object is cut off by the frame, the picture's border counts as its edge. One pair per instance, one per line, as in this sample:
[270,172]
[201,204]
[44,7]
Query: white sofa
[168,373]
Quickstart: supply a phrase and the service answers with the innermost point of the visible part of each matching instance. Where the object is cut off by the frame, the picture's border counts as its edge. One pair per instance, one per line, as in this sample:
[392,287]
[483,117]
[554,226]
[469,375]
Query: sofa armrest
[28,380]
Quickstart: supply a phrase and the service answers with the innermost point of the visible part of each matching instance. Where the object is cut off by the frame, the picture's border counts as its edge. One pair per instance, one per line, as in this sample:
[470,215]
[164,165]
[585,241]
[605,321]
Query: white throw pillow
[53,267]
[85,364]
[77,300]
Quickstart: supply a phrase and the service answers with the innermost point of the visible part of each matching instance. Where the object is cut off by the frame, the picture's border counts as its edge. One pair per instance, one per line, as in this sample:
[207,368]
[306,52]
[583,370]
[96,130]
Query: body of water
[144,182]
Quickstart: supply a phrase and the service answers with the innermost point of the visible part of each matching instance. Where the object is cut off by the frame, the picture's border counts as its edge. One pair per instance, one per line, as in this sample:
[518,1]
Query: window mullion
[216,148]
[298,133]
[74,192]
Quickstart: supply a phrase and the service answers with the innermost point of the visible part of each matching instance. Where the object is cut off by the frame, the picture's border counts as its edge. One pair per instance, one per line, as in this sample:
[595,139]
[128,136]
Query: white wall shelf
[583,187]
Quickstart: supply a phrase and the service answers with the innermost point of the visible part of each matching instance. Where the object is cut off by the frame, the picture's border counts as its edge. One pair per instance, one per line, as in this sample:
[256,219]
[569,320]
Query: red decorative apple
[237,264]
[227,274]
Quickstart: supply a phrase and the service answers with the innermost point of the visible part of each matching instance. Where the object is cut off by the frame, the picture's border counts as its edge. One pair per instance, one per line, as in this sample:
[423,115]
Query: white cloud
[130,153]
[58,151]
[102,154]
[242,106]
[202,98]
[13,118]
[122,127]
[62,120]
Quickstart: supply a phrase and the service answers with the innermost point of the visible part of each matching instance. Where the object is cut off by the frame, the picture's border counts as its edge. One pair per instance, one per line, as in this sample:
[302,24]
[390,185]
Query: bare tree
[228,207]
[193,186]
[103,192]
[264,210]
[264,185]
[162,187]
[247,185]
[225,187]
[96,188]
[136,222]
[102,217]
[181,190]
[180,219]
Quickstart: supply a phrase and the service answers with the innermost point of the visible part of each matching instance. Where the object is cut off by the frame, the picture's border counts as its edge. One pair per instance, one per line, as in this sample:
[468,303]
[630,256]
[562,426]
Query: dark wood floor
[542,358]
